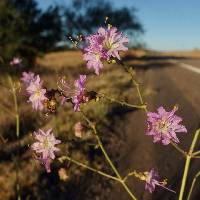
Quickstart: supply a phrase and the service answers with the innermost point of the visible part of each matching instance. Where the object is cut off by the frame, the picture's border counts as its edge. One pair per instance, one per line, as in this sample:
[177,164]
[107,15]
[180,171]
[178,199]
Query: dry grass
[191,54]
[61,59]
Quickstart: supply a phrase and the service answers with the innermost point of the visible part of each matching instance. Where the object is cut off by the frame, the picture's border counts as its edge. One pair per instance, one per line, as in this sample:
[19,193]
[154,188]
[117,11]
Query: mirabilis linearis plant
[164,126]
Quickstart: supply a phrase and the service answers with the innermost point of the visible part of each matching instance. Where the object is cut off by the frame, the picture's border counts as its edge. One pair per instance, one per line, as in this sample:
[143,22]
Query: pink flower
[16,61]
[113,41]
[45,147]
[102,46]
[94,58]
[152,180]
[164,125]
[37,94]
[27,78]
[75,92]
[79,96]
[46,162]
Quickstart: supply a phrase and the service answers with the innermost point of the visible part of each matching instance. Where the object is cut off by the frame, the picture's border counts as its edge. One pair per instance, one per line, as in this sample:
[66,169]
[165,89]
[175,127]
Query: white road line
[187,66]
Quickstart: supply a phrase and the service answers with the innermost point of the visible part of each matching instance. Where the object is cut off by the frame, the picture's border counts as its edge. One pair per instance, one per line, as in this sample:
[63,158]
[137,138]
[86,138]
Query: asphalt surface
[172,82]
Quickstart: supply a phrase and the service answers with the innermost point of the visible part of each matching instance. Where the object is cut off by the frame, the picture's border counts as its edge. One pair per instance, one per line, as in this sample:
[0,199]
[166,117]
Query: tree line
[26,30]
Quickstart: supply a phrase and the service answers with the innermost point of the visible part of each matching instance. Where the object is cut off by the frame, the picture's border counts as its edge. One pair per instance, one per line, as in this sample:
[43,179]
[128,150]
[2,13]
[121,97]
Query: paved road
[173,82]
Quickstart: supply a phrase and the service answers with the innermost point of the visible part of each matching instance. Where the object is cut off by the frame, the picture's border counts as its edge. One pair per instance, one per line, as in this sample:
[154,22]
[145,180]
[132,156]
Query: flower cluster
[45,147]
[102,46]
[34,89]
[164,125]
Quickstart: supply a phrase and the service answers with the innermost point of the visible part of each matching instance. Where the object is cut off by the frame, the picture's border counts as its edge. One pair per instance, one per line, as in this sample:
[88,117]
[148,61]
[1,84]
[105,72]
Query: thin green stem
[17,126]
[17,119]
[138,91]
[135,83]
[128,175]
[192,186]
[196,157]
[196,153]
[92,126]
[123,103]
[13,93]
[178,148]
[61,159]
[187,164]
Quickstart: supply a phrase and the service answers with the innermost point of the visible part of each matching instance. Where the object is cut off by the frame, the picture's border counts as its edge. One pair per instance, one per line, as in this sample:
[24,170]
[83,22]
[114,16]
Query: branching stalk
[122,103]
[178,149]
[88,167]
[196,153]
[196,157]
[92,126]
[135,83]
[187,164]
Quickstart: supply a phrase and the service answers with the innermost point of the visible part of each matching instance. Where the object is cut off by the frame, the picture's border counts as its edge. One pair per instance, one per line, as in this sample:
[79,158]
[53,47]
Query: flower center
[162,126]
[109,44]
[37,93]
[46,143]
[97,56]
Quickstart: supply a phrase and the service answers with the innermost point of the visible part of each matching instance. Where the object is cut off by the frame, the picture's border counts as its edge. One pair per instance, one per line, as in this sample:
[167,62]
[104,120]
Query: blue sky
[169,24]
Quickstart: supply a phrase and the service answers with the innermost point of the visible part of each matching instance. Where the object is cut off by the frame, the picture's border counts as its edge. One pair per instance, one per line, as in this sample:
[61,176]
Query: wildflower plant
[103,46]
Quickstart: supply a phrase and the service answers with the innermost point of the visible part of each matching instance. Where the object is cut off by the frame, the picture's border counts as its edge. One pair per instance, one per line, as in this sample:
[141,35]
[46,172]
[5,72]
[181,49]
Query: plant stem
[17,121]
[192,186]
[178,148]
[128,175]
[195,156]
[135,83]
[92,126]
[123,103]
[196,153]
[187,164]
[88,167]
